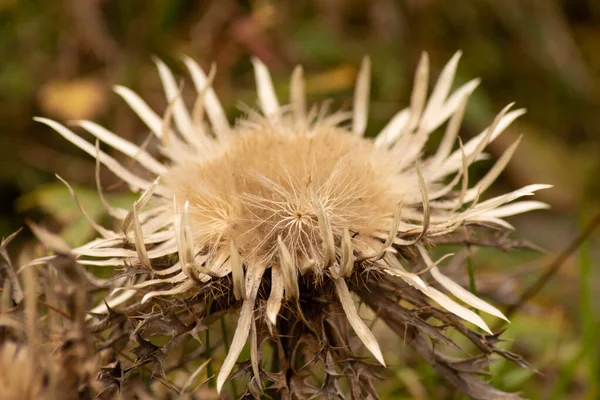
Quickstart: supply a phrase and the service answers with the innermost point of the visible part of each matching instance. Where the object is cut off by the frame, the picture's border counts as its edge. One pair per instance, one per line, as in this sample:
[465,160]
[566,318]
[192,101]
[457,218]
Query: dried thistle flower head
[296,201]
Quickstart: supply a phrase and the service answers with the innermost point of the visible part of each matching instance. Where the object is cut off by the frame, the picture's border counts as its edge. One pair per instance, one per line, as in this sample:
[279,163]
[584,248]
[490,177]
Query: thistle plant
[291,215]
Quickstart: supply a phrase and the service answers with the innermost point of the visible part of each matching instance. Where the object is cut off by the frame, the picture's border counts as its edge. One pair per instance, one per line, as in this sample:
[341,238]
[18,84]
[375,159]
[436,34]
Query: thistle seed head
[297,202]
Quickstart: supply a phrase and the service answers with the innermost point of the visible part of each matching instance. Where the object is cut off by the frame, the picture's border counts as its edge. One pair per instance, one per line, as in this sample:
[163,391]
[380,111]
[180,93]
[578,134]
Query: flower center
[262,188]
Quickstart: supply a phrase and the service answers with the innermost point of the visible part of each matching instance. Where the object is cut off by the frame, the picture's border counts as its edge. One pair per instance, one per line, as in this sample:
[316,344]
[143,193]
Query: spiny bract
[297,192]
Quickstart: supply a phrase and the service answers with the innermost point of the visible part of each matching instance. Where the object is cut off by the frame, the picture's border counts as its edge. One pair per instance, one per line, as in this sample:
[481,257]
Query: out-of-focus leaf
[78,99]
[54,199]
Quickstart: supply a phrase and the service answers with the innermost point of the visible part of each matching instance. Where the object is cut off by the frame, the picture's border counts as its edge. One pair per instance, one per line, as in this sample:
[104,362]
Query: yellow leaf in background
[7,4]
[72,100]
[334,80]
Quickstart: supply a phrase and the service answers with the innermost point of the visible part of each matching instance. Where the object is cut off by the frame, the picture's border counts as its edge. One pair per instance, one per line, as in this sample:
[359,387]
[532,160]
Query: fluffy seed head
[297,193]
[261,186]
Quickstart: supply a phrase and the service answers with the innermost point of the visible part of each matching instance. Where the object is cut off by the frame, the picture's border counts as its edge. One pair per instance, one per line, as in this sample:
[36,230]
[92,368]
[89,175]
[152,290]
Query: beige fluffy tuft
[260,189]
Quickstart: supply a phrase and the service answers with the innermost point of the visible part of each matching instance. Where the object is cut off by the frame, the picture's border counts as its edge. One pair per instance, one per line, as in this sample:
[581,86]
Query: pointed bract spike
[254,358]
[419,93]
[459,96]
[451,133]
[298,95]
[139,106]
[347,259]
[274,301]
[165,127]
[360,328]
[140,247]
[124,146]
[425,198]
[465,179]
[457,309]
[288,270]
[325,229]
[489,134]
[200,103]
[187,243]
[184,287]
[139,204]
[441,89]
[497,169]
[173,93]
[507,198]
[134,181]
[113,301]
[516,208]
[440,298]
[243,328]
[457,290]
[237,272]
[465,295]
[394,129]
[361,98]
[266,92]
[213,106]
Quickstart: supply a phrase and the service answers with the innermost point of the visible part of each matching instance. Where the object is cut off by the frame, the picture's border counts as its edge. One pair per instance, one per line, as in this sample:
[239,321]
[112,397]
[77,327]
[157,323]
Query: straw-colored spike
[237,272]
[134,181]
[440,298]
[188,265]
[140,247]
[276,296]
[200,104]
[325,229]
[451,105]
[450,134]
[419,93]
[347,259]
[136,153]
[441,89]
[361,98]
[288,270]
[516,208]
[465,178]
[184,287]
[254,358]
[361,330]
[138,205]
[266,92]
[215,111]
[394,129]
[165,125]
[494,172]
[298,95]
[139,106]
[425,200]
[457,290]
[240,336]
[173,93]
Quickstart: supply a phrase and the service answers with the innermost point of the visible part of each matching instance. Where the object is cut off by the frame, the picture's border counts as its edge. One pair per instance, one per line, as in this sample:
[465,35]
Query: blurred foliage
[60,58]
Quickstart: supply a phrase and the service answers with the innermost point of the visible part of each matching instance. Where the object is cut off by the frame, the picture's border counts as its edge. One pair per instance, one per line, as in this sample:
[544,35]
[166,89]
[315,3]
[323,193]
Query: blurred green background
[60,59]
